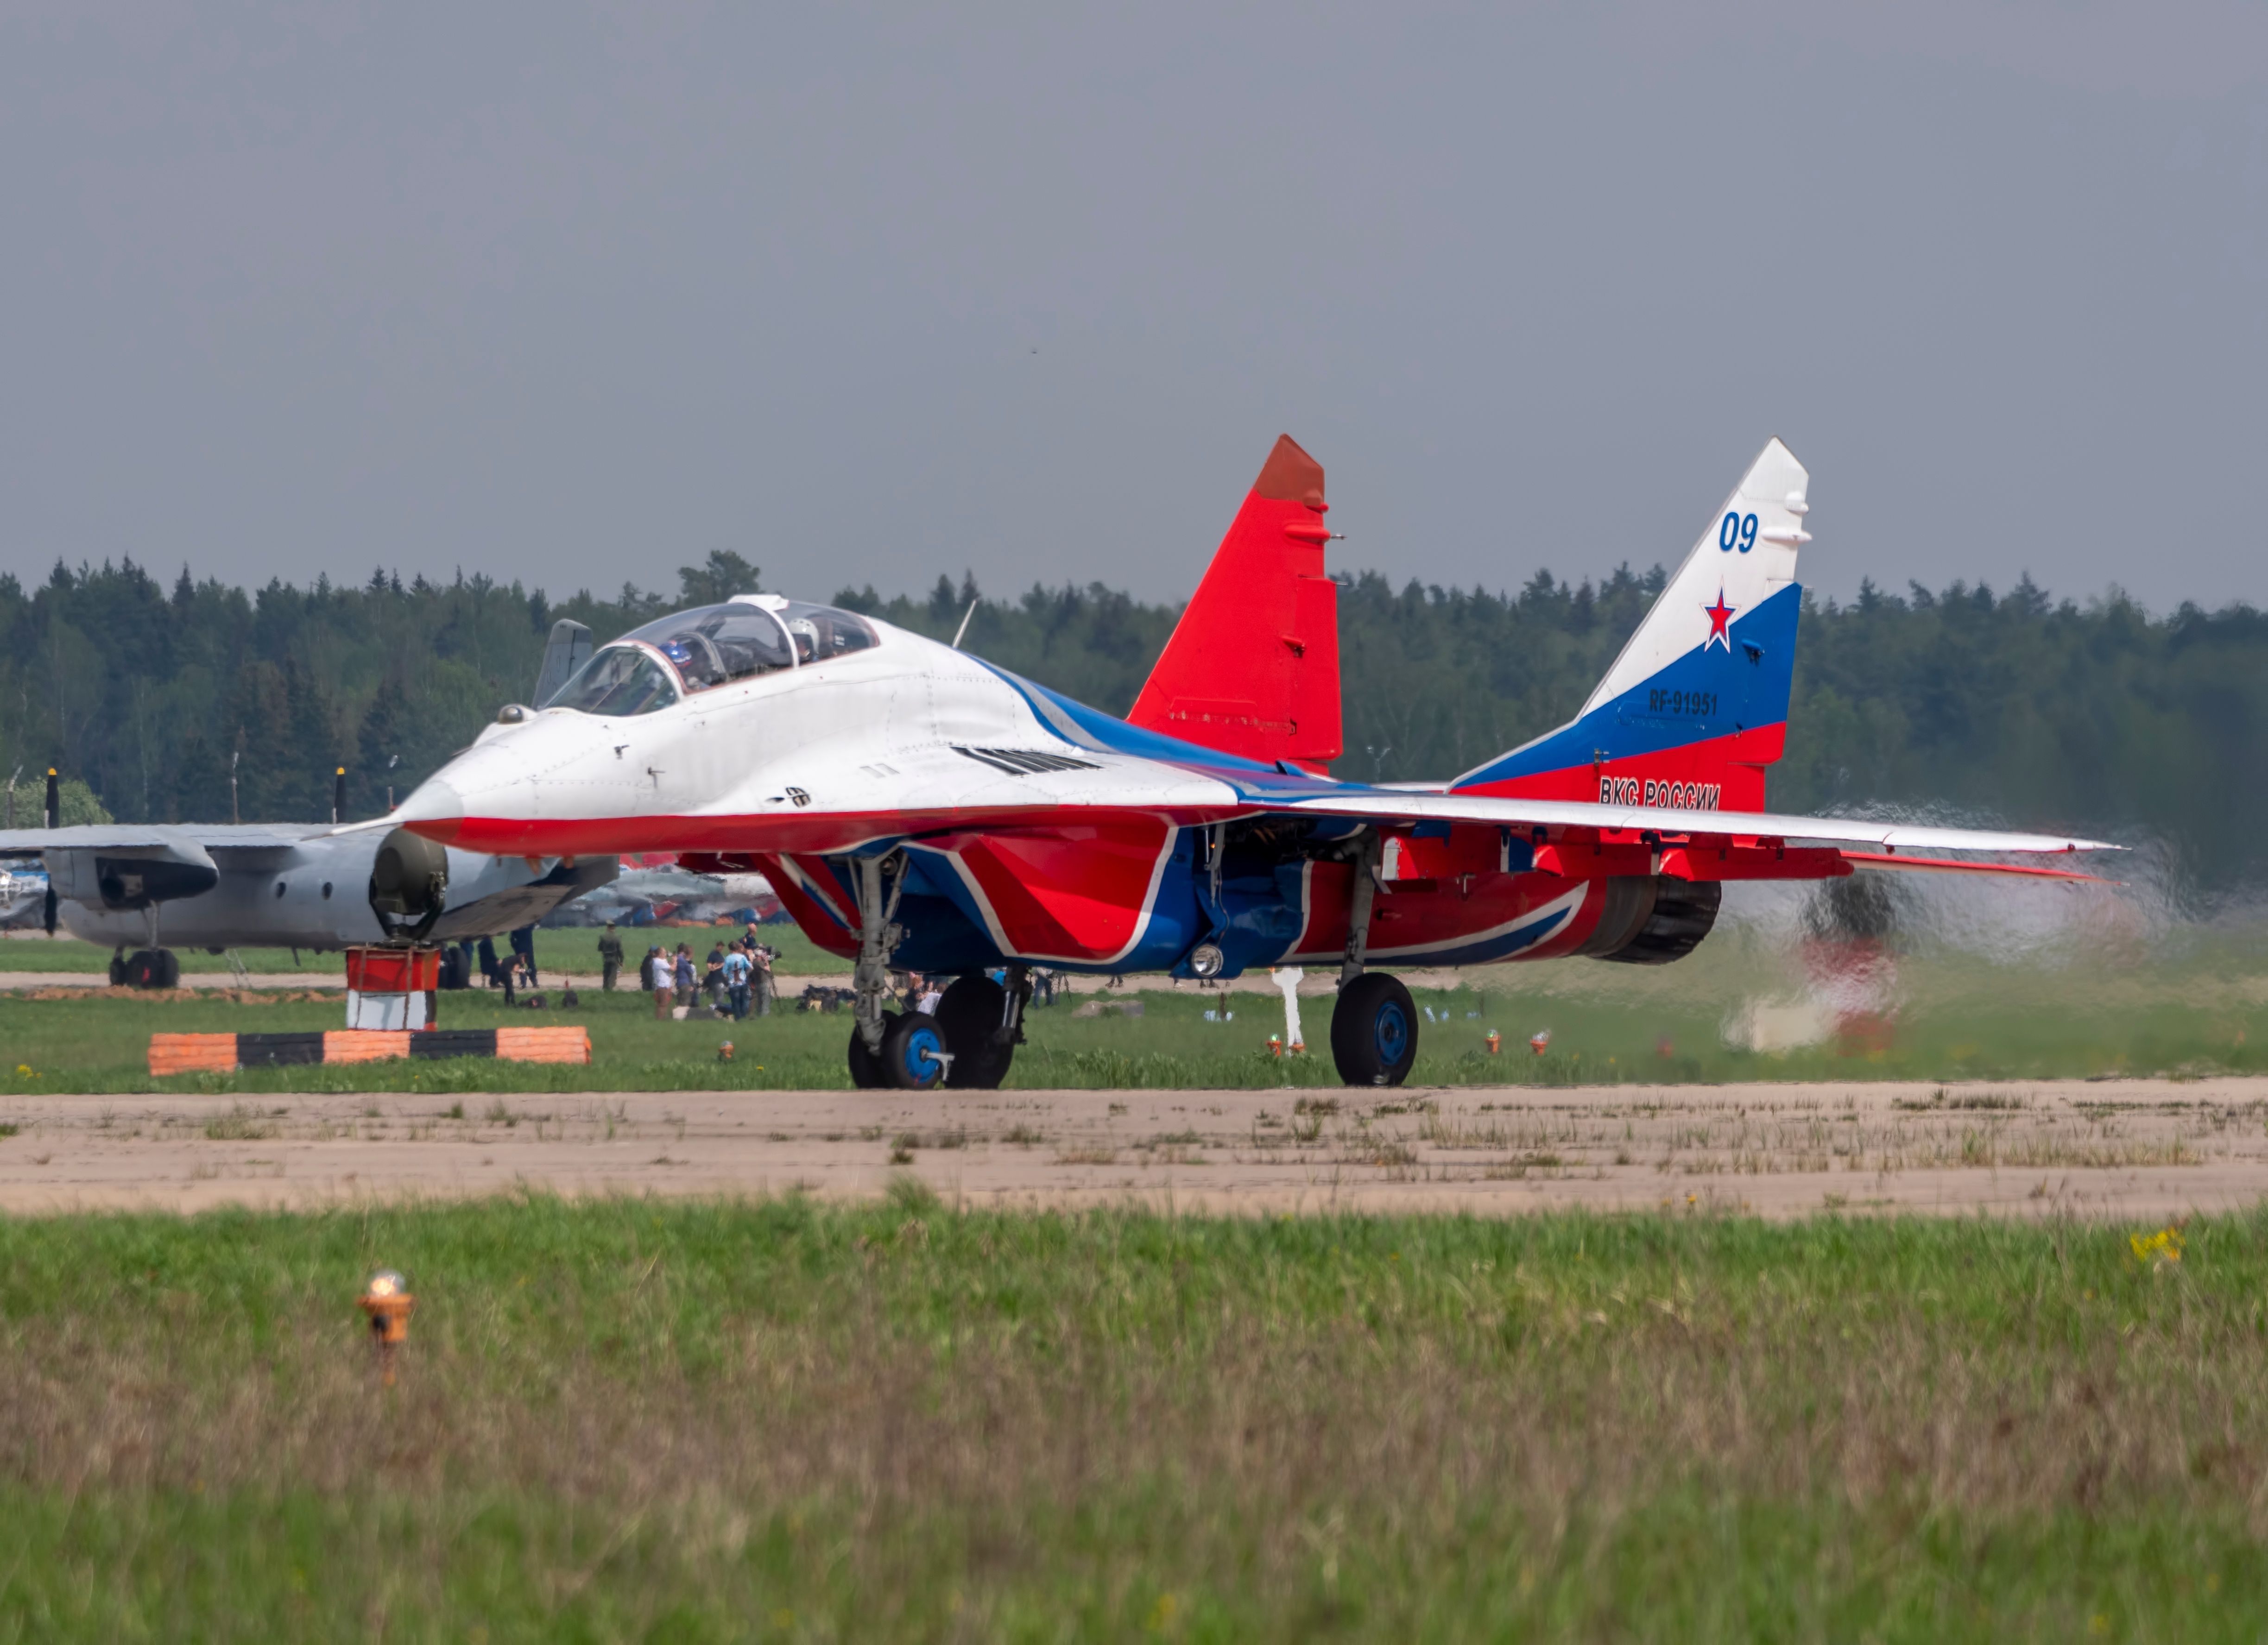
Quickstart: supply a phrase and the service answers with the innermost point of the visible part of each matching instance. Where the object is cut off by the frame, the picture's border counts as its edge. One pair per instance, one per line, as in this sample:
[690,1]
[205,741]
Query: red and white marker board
[392,989]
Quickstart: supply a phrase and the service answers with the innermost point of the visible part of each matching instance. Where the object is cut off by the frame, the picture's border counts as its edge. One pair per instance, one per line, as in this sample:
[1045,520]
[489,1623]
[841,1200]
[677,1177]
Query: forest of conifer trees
[2012,706]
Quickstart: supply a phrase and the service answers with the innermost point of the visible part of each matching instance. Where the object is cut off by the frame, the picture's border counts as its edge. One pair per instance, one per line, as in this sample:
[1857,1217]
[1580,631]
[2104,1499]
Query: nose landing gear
[967,1046]
[877,883]
[903,1050]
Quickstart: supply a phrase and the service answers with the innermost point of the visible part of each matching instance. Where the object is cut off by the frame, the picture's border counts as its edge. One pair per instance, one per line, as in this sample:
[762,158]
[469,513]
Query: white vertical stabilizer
[1745,555]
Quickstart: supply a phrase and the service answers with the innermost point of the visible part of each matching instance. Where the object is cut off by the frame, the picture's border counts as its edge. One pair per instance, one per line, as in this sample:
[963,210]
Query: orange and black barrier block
[193,1054]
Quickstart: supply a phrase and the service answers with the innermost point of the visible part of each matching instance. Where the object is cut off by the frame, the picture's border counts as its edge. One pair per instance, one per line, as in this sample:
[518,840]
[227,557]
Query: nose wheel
[967,1046]
[913,1058]
[914,1055]
[1373,1031]
[866,1066]
[982,1029]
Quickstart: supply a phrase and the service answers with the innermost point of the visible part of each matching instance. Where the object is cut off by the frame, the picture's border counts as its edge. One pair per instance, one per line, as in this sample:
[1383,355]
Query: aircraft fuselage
[1076,842]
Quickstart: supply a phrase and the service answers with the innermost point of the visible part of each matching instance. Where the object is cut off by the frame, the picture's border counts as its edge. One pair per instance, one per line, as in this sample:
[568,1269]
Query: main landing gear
[970,1041]
[1373,1031]
[1374,1024]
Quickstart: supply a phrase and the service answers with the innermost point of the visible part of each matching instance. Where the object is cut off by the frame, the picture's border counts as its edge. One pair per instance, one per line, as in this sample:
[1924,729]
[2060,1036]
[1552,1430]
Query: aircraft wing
[131,837]
[1889,838]
[1417,803]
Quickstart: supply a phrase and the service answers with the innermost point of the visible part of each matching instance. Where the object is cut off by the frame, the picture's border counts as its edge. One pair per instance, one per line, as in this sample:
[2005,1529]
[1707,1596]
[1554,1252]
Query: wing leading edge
[129,837]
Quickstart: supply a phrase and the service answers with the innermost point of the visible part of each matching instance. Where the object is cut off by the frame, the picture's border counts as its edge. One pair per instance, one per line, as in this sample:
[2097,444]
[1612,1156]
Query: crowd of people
[736,978]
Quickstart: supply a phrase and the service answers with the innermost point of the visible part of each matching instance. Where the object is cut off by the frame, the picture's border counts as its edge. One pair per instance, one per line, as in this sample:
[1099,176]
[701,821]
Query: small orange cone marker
[388,1301]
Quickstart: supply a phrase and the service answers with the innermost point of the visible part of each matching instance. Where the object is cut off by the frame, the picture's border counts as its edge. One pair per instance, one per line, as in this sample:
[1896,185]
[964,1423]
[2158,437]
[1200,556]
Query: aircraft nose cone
[435,810]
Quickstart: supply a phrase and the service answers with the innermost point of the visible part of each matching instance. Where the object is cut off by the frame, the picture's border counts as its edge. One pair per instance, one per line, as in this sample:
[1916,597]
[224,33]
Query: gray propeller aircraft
[148,889]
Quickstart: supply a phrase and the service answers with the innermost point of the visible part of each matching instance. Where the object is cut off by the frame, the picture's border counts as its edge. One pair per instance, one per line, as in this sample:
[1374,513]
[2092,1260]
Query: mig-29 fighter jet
[917,807]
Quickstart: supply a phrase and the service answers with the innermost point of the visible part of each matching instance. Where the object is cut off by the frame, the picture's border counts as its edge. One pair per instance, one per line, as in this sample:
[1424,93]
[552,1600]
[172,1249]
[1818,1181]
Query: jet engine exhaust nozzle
[409,884]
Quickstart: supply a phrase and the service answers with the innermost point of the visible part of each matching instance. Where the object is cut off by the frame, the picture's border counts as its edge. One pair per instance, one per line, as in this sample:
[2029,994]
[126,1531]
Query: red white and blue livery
[917,807]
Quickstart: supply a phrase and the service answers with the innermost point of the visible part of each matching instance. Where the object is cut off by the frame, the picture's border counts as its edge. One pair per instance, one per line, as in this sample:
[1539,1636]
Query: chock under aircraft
[917,807]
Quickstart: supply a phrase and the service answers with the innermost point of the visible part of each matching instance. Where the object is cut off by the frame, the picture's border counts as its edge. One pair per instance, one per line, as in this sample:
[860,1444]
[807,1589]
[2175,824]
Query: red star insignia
[1720,614]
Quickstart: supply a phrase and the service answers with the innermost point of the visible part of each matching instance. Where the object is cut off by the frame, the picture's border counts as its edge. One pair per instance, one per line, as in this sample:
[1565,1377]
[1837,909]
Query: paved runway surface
[2144,1149]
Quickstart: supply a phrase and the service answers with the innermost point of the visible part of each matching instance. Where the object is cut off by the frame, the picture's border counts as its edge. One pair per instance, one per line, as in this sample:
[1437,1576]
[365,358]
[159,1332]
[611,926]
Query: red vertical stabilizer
[1253,666]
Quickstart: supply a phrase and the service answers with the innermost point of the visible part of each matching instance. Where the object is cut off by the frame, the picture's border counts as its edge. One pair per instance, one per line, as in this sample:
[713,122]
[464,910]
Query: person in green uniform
[763,957]
[610,957]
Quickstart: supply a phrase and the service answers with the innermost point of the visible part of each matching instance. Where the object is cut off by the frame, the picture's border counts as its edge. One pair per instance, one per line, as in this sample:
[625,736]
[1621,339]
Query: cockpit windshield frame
[620,680]
[703,647]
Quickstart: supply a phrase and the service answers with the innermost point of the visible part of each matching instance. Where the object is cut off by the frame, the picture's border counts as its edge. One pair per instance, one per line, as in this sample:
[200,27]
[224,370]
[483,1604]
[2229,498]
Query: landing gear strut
[148,966]
[1374,1024]
[905,1049]
[878,937]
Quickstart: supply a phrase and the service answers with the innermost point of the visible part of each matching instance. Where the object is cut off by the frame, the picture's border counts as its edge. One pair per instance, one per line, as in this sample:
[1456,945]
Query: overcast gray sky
[576,294]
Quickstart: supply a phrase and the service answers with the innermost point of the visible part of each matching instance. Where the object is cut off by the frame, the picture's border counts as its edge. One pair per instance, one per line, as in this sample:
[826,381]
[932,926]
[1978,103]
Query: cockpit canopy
[709,646]
[620,680]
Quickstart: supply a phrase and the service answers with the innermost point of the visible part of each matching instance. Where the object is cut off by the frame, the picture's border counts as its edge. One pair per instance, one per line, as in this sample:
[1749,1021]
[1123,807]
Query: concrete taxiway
[2125,1149]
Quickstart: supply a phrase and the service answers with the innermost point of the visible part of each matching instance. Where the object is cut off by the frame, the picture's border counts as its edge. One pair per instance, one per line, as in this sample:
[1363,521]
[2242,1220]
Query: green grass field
[1960,1018]
[684,1422]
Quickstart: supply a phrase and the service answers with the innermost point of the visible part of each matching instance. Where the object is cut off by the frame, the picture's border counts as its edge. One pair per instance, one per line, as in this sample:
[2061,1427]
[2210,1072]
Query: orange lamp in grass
[388,1301]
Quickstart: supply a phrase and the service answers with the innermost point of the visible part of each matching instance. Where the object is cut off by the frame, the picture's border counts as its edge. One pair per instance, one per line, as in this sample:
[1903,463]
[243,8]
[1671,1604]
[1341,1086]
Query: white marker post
[1288,979]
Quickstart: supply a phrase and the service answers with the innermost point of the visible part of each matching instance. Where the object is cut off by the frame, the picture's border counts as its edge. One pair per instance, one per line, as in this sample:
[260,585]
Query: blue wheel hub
[1391,1029]
[918,1046]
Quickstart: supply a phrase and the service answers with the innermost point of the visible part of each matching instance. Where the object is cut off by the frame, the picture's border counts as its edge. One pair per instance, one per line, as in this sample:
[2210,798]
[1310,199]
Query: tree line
[2012,706]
